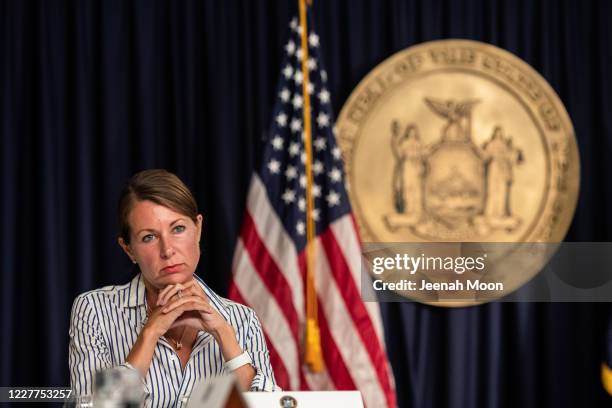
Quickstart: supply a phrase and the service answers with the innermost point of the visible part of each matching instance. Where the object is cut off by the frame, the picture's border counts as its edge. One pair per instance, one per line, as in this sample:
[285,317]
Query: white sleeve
[255,345]
[87,352]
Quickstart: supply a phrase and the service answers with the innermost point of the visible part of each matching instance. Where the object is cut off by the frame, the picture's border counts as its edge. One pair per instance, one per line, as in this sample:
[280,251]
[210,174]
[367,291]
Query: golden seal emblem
[458,141]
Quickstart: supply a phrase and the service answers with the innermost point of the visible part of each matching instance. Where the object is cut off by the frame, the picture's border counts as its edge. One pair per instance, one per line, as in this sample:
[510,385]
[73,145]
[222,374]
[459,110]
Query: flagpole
[312,357]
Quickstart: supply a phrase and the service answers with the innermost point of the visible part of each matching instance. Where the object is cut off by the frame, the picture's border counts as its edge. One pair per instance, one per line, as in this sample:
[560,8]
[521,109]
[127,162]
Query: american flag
[269,266]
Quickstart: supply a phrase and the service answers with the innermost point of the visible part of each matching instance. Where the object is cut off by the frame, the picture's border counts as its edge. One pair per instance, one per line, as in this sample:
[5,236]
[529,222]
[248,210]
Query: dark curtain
[93,91]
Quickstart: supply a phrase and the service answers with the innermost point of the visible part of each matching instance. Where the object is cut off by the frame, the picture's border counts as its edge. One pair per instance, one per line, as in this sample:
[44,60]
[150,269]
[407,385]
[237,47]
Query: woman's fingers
[187,300]
[166,294]
[196,289]
[192,287]
[198,323]
[164,290]
[179,312]
[162,294]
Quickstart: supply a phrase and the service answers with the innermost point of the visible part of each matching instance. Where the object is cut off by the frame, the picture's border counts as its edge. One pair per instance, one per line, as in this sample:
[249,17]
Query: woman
[166,323]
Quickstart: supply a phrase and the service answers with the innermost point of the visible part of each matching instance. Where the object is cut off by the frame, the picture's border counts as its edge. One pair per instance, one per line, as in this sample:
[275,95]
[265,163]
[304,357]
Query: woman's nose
[166,250]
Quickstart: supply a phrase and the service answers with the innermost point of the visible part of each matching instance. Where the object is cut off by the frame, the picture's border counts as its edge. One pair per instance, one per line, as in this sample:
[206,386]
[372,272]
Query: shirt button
[172,358]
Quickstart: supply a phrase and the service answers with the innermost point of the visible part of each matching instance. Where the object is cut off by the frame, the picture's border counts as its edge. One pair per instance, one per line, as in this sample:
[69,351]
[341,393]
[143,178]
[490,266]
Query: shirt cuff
[239,361]
[263,383]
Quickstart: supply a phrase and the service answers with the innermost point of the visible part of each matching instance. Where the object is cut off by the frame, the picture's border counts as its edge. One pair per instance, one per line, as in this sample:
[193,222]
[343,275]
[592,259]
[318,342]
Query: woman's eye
[148,238]
[179,228]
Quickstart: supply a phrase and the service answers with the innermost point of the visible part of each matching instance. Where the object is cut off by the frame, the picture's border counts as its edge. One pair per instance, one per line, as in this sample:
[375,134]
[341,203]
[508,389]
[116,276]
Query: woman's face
[164,243]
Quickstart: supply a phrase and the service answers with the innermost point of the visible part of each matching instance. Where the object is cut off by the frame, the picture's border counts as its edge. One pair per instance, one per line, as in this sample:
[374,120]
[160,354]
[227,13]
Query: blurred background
[93,91]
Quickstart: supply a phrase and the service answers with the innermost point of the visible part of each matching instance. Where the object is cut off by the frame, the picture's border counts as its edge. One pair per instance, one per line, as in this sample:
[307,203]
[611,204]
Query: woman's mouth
[173,268]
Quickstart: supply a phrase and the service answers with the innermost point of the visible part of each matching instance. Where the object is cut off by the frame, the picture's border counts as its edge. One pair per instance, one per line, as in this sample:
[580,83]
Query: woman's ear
[199,225]
[126,249]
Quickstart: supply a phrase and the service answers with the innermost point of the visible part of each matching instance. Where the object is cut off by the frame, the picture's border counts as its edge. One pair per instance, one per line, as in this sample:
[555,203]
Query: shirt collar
[136,295]
[136,292]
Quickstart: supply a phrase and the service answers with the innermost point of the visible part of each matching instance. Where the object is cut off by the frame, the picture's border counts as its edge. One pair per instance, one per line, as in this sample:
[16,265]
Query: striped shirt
[105,324]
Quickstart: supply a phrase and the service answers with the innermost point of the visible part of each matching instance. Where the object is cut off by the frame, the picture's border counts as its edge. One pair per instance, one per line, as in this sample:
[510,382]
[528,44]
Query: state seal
[459,141]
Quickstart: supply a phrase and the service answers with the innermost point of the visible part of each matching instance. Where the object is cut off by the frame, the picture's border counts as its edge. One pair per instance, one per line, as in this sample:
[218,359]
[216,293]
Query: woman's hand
[158,322]
[189,297]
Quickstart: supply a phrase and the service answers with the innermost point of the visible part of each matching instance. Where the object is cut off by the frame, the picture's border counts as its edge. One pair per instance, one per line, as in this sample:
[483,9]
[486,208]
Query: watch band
[238,362]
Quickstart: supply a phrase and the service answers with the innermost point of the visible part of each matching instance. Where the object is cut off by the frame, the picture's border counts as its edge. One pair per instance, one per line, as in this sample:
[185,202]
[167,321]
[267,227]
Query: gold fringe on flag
[606,377]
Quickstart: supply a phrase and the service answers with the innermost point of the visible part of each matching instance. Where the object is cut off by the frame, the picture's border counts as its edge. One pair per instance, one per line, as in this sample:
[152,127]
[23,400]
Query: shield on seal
[454,183]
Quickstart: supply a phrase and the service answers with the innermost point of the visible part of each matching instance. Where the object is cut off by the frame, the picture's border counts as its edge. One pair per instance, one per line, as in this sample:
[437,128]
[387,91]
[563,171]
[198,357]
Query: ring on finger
[179,294]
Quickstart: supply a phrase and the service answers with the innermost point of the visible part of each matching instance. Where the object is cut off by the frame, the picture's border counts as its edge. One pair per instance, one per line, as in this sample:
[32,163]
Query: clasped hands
[185,305]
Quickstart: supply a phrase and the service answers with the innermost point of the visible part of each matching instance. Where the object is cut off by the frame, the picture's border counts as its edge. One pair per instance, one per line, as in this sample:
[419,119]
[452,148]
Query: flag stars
[300,228]
[296,125]
[277,142]
[324,75]
[297,101]
[312,64]
[324,96]
[295,25]
[298,77]
[284,95]
[320,143]
[335,175]
[294,149]
[315,214]
[281,119]
[336,153]
[290,47]
[274,166]
[288,71]
[333,198]
[291,172]
[286,154]
[288,196]
[313,40]
[322,120]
